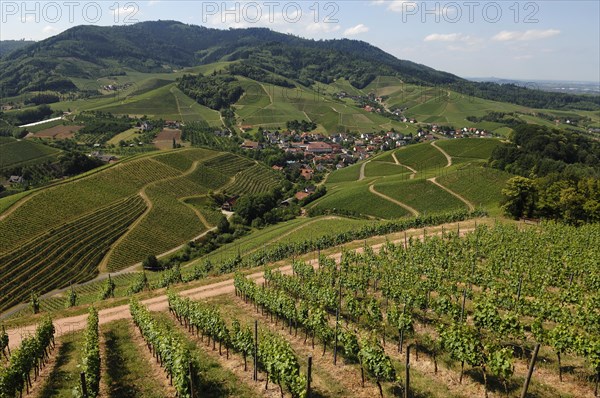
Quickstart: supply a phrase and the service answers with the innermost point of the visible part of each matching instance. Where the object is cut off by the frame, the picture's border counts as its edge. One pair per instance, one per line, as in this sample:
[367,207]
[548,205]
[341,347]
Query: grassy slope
[466,177]
[169,223]
[15,153]
[421,157]
[482,186]
[355,197]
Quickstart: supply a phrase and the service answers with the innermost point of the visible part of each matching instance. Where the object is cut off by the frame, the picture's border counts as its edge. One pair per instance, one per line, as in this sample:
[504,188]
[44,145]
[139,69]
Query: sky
[526,40]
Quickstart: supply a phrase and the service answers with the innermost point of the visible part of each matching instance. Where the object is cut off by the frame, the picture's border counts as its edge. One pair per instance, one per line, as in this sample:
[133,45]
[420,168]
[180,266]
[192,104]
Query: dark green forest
[559,174]
[214,91]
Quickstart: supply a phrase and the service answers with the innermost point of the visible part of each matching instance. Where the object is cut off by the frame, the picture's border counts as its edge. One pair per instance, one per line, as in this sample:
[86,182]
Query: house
[16,180]
[277,168]
[307,173]
[229,204]
[250,145]
[318,147]
[301,195]
[310,189]
[107,158]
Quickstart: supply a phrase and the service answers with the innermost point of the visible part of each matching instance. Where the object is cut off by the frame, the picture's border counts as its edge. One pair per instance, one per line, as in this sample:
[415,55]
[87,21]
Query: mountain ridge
[92,52]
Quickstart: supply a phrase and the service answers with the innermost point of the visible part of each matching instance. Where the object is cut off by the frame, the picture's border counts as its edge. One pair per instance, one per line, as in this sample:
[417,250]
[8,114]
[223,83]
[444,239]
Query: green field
[349,173]
[357,199]
[469,148]
[421,157]
[296,230]
[382,169]
[115,217]
[482,186]
[15,153]
[421,195]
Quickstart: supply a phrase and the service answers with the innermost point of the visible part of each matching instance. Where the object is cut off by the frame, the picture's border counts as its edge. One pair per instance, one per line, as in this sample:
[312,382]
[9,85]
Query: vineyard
[68,253]
[467,312]
[115,218]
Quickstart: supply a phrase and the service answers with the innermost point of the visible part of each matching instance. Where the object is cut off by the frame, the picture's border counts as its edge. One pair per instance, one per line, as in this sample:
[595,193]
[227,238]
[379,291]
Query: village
[314,153]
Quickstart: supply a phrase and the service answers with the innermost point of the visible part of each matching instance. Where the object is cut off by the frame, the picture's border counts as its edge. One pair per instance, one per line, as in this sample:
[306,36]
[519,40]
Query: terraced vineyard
[69,253]
[115,218]
[15,153]
[255,179]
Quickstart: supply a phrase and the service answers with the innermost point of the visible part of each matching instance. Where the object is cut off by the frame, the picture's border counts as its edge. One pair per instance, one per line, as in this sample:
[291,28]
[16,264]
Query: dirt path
[403,205]
[103,265]
[299,227]
[451,192]
[414,172]
[361,176]
[448,157]
[160,303]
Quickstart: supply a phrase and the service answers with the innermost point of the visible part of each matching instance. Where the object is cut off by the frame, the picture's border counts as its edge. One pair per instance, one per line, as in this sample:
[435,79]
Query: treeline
[69,163]
[301,125]
[509,119]
[558,172]
[27,116]
[214,91]
[574,201]
[526,97]
[254,73]
[540,151]
[101,123]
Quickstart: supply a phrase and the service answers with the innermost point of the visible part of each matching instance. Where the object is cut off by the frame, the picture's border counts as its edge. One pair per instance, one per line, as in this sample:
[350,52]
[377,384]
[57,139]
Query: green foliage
[108,290]
[375,362]
[31,354]
[519,197]
[71,298]
[34,302]
[540,151]
[91,354]
[169,349]
[214,91]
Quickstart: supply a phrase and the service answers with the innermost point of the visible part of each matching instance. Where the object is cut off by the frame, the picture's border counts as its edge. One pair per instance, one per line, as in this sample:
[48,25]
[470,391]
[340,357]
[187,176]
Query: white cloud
[448,37]
[523,57]
[402,5]
[153,2]
[527,35]
[322,27]
[356,30]
[49,30]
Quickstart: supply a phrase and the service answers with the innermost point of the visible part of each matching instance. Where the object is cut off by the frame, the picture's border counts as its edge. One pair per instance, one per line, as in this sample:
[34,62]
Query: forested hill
[6,46]
[94,51]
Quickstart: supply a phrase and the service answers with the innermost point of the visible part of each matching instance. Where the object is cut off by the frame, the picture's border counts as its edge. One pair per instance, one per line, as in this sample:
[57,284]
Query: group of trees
[258,74]
[260,209]
[214,91]
[558,174]
[527,97]
[568,200]
[301,126]
[27,116]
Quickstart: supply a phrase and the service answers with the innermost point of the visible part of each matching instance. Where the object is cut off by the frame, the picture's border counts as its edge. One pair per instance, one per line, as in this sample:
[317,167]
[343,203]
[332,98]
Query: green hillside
[124,213]
[464,184]
[15,153]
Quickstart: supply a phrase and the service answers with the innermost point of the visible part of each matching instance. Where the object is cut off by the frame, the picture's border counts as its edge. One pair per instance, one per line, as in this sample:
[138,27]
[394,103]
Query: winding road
[414,172]
[451,192]
[361,176]
[403,205]
[448,157]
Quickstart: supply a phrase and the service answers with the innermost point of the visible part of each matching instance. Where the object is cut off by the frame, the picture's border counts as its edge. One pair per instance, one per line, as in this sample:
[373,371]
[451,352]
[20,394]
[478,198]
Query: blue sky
[554,40]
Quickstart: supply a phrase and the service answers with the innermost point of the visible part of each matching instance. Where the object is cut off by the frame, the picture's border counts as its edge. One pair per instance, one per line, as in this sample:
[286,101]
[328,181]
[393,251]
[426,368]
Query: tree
[223,226]
[35,303]
[151,262]
[519,197]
